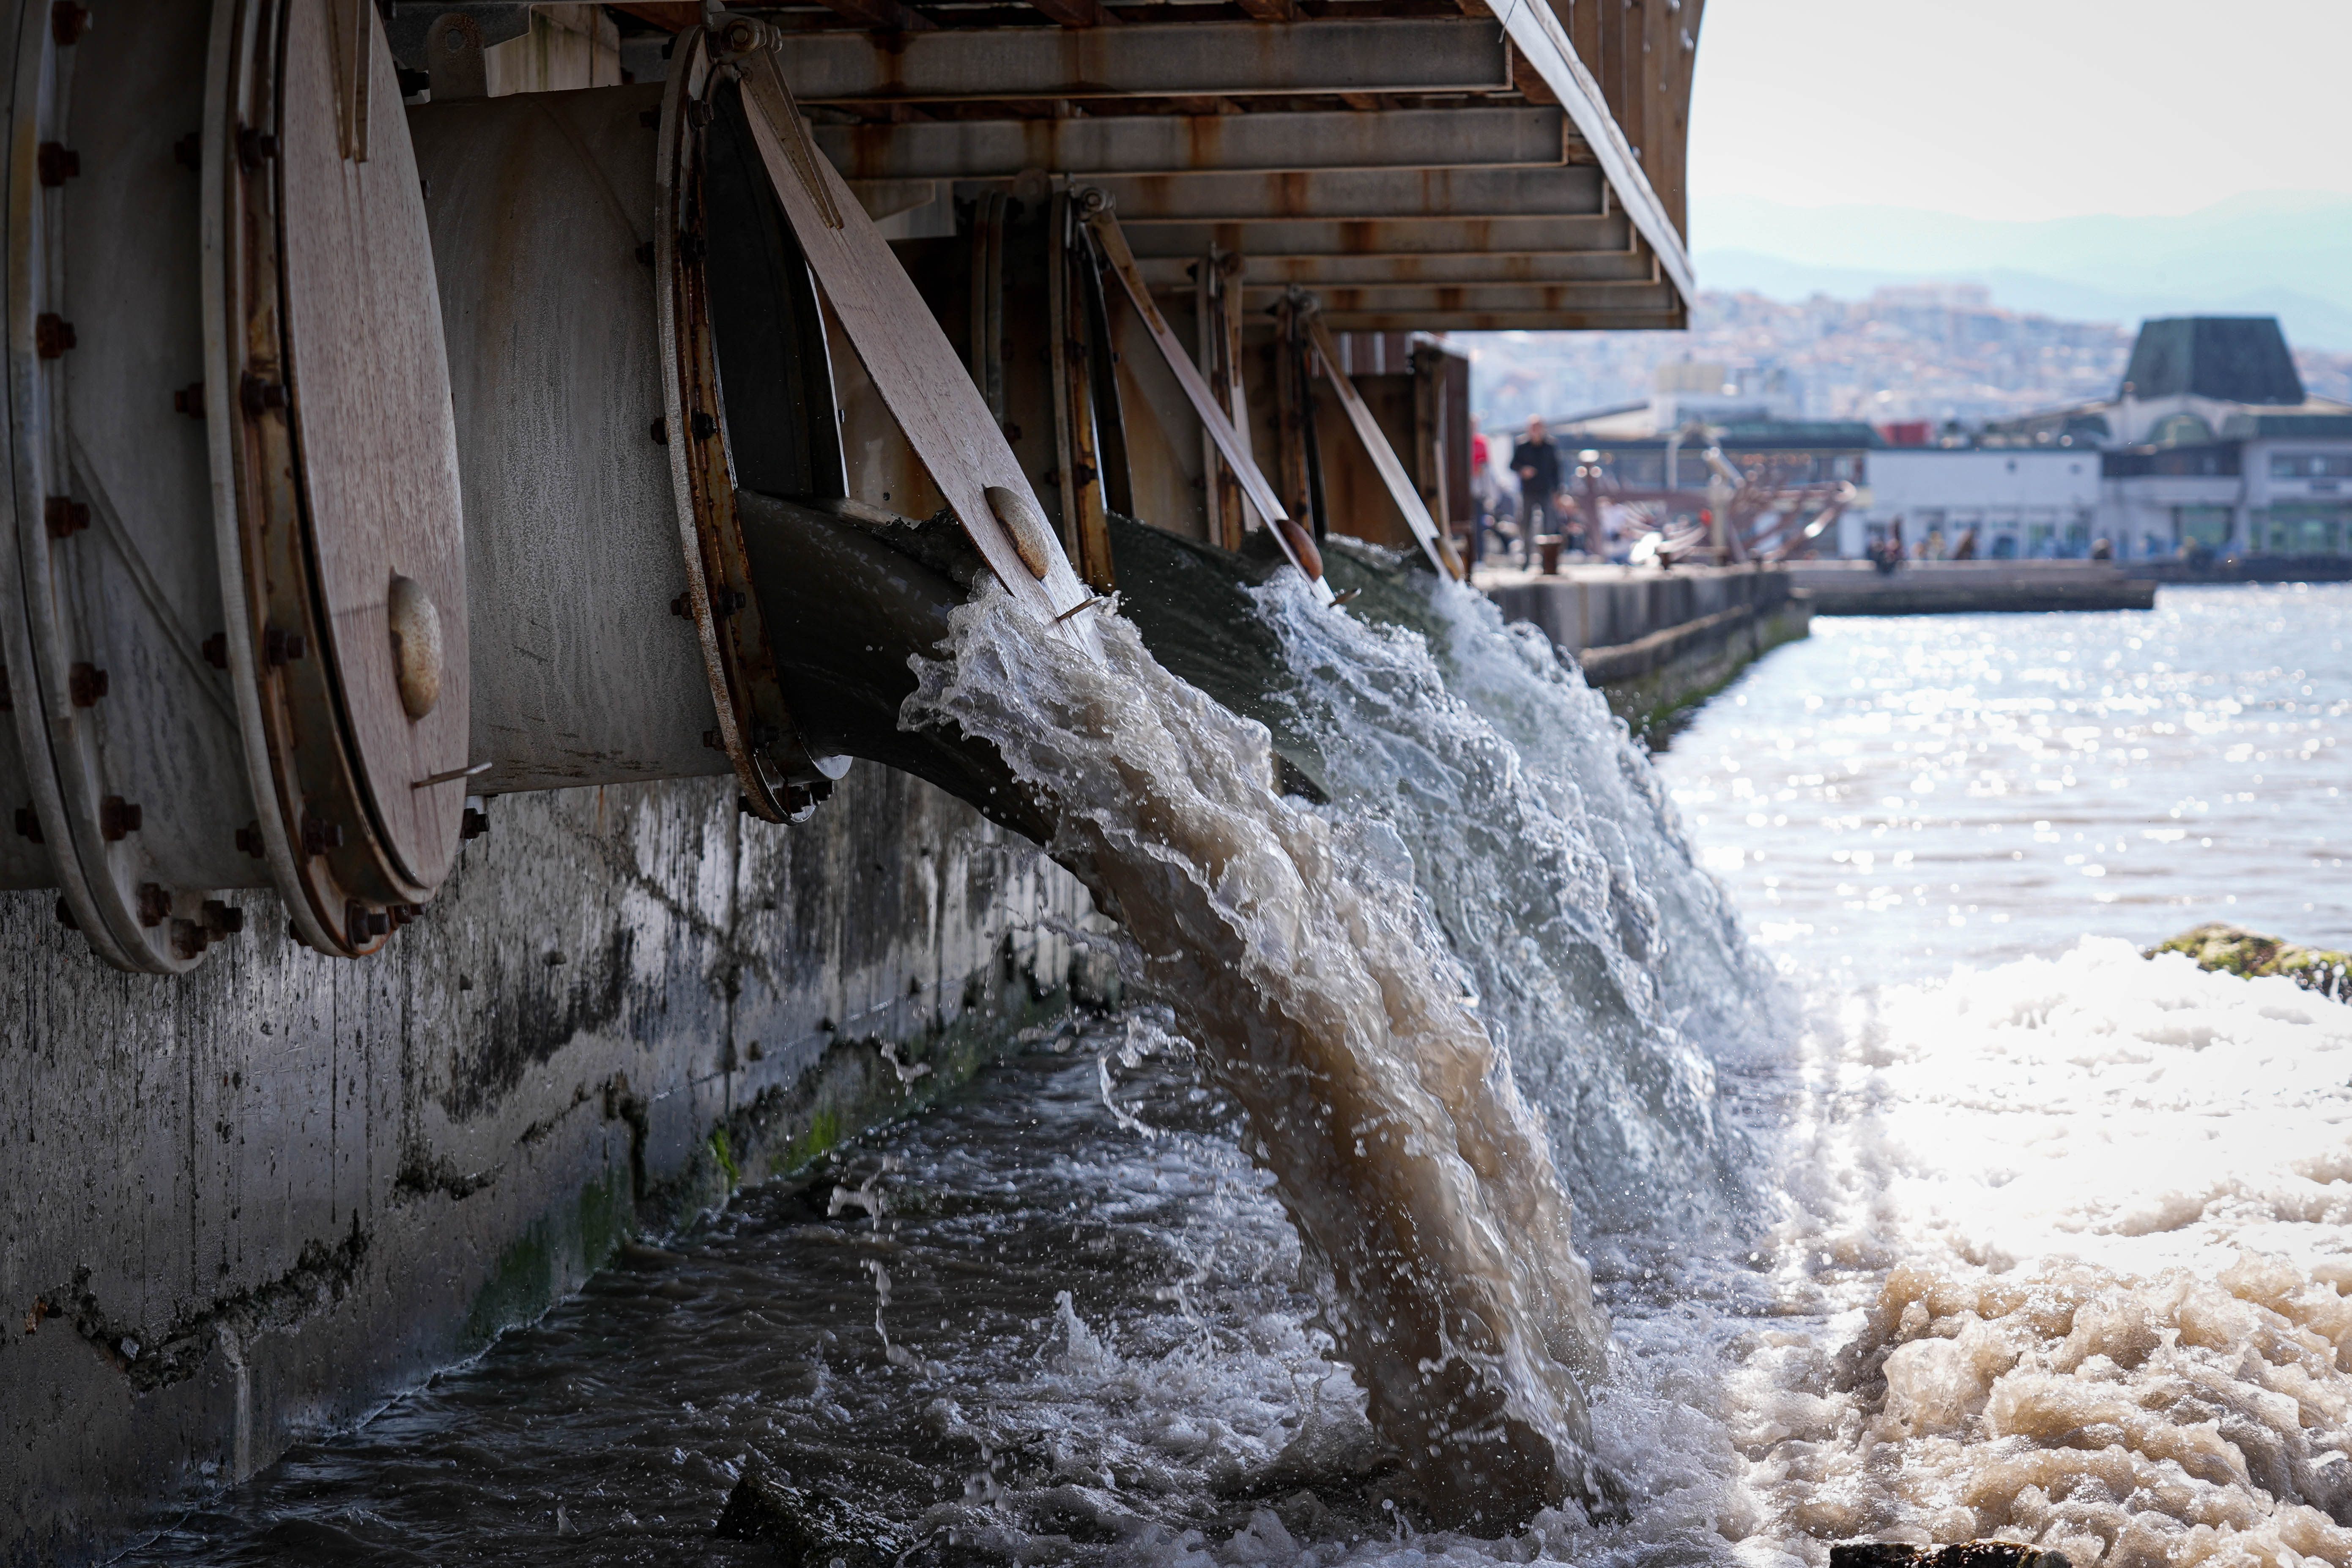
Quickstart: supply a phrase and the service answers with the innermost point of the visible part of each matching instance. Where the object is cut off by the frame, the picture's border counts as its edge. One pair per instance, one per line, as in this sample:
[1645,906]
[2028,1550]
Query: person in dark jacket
[1537,462]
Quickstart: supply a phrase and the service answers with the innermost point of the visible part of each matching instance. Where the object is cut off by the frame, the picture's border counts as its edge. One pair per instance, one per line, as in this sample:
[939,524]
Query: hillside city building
[2211,447]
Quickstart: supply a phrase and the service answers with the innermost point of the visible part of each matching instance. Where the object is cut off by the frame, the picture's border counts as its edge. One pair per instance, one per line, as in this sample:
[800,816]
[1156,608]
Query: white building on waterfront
[2020,502]
[2210,445]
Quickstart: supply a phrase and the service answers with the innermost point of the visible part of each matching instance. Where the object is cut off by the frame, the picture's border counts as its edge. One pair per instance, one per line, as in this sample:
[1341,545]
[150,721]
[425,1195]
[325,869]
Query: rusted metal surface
[315,517]
[987,323]
[1537,35]
[1216,420]
[1217,311]
[893,333]
[1174,144]
[1171,60]
[368,384]
[206,683]
[1433,238]
[1274,274]
[1358,194]
[1401,486]
[127,731]
[755,727]
[1568,301]
[1072,350]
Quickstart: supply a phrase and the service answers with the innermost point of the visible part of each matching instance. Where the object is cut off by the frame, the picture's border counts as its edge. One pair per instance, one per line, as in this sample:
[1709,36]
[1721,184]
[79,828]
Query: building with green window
[2214,448]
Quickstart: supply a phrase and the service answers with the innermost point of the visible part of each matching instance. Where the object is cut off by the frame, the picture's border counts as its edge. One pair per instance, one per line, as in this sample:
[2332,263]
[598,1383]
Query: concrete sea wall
[249,1204]
[1969,587]
[1656,642]
[1586,606]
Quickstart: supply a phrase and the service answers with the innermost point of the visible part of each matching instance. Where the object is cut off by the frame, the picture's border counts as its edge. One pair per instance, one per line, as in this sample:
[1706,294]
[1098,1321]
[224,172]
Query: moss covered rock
[2238,951]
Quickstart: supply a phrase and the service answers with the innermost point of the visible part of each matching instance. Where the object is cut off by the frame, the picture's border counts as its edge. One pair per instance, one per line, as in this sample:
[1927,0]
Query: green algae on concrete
[855,1086]
[556,1254]
[2237,950]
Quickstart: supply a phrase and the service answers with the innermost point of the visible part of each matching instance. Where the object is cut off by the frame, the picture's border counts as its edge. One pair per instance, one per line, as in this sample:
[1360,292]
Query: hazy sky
[2020,109]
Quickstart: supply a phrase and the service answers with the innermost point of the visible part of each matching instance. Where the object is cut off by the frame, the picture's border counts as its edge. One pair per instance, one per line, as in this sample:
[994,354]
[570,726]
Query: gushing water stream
[1297,953]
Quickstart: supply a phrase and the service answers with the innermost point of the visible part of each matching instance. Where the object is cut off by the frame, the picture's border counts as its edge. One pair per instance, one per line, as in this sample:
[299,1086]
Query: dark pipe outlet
[850,593]
[846,602]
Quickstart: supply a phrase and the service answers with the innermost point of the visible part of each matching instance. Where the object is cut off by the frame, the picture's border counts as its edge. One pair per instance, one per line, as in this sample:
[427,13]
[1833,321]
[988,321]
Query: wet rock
[1966,1554]
[808,1529]
[2237,950]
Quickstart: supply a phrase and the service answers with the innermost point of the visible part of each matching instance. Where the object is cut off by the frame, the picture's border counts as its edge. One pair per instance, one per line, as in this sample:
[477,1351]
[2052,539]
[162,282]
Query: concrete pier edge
[1656,642]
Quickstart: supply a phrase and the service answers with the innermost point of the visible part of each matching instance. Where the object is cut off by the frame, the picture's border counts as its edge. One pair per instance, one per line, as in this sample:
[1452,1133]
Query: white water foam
[2060,1257]
[2075,1227]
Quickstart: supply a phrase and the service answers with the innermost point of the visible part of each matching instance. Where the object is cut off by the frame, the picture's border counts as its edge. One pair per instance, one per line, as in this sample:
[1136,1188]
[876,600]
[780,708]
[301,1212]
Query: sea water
[2046,1246]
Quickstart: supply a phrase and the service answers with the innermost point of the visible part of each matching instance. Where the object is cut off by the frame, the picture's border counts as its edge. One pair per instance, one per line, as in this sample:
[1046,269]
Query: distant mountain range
[2282,253]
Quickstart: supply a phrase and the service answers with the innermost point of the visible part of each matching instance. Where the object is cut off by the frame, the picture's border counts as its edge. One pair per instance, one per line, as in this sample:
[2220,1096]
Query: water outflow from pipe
[1604,960]
[1322,998]
[1362,973]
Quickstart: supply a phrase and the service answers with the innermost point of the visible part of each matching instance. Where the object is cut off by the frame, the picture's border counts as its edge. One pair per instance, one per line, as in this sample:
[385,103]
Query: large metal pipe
[633,331]
[233,608]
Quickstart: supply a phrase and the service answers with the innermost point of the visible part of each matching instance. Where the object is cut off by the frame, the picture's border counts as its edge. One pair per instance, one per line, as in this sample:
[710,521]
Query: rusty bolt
[727,601]
[86,683]
[699,112]
[254,147]
[65,516]
[189,150]
[282,646]
[154,905]
[217,650]
[56,162]
[189,400]
[68,23]
[319,837]
[65,917]
[258,395]
[703,426]
[475,823]
[711,738]
[118,819]
[661,432]
[365,923]
[249,839]
[188,940]
[682,607]
[222,920]
[29,825]
[52,335]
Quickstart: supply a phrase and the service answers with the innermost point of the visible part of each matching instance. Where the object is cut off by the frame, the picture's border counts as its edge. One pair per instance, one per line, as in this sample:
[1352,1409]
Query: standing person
[1537,462]
[1483,491]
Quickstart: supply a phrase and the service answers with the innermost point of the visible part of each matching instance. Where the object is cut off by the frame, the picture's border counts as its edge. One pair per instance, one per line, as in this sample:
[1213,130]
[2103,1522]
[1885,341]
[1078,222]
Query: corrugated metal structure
[1393,167]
